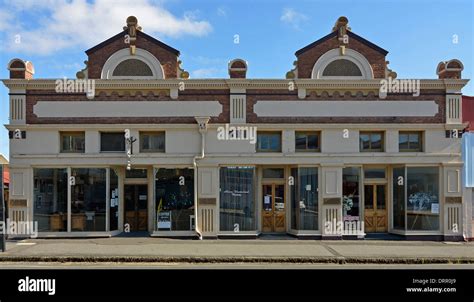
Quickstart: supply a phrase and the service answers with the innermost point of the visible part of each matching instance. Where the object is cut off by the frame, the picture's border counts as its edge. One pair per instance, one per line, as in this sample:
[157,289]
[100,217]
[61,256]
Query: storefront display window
[174,199]
[304,195]
[50,199]
[237,199]
[351,194]
[422,198]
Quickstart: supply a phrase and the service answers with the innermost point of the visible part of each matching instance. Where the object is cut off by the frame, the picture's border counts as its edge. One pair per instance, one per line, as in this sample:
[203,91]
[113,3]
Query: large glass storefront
[416,205]
[237,199]
[50,199]
[304,199]
[174,199]
[88,200]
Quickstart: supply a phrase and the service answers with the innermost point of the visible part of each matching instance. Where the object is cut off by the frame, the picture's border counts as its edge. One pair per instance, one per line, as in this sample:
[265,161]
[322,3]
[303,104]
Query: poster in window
[164,220]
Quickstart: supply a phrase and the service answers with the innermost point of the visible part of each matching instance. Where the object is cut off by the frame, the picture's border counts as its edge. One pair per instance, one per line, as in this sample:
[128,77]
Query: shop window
[410,141]
[174,193]
[269,142]
[50,199]
[88,200]
[152,141]
[399,206]
[112,142]
[304,195]
[423,199]
[307,141]
[72,142]
[371,141]
[237,199]
[136,173]
[351,177]
[114,200]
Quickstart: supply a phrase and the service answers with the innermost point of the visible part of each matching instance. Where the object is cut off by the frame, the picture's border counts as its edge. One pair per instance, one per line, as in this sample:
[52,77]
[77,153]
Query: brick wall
[97,58]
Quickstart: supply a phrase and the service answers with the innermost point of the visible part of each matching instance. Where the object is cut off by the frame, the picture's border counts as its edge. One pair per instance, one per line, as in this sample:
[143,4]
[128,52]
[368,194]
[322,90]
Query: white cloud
[221,12]
[206,73]
[292,17]
[80,23]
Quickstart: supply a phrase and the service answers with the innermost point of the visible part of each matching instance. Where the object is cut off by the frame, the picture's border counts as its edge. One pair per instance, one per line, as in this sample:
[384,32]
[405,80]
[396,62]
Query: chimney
[20,69]
[237,69]
[449,69]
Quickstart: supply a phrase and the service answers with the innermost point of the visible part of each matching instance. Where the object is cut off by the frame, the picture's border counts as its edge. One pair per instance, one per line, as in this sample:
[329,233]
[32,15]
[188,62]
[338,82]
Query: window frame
[63,134]
[420,141]
[142,150]
[267,150]
[113,151]
[370,133]
[317,133]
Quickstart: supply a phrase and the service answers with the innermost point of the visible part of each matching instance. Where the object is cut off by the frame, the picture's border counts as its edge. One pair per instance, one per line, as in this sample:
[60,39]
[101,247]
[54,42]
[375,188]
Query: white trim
[140,54]
[350,55]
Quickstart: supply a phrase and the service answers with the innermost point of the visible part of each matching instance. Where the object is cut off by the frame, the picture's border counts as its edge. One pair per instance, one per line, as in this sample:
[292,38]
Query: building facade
[339,148]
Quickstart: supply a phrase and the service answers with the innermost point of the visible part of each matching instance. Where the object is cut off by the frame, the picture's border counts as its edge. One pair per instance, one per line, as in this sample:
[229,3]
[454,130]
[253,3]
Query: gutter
[202,123]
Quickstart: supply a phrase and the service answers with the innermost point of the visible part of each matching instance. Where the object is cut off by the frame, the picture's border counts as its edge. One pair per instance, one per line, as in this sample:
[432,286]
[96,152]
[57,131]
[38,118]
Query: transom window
[132,67]
[371,141]
[307,141]
[410,141]
[269,142]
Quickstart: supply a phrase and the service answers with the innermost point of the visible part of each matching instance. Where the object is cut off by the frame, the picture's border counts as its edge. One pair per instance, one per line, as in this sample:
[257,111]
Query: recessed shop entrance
[375,208]
[136,204]
[273,208]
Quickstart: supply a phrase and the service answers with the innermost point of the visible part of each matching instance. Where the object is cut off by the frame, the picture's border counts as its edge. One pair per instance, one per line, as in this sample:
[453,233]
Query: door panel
[273,208]
[375,208]
[136,205]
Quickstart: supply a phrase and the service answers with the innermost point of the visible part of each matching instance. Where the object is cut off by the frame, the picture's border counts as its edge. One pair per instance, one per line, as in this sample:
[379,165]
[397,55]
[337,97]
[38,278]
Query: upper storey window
[140,66]
[132,67]
[341,68]
[335,65]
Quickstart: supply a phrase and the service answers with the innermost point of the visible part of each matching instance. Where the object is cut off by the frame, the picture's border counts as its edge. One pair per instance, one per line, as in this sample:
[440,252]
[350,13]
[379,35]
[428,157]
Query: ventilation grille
[237,108]
[17,109]
[454,219]
[207,220]
[453,109]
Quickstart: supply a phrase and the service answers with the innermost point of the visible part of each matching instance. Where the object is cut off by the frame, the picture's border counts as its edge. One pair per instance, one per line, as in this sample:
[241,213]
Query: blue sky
[53,34]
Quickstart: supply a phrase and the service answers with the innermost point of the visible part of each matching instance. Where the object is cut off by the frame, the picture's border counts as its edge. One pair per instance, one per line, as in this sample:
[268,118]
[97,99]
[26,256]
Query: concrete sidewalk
[228,251]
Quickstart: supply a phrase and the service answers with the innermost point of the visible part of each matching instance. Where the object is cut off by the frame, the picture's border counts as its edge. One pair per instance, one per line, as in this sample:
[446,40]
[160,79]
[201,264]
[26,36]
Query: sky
[53,34]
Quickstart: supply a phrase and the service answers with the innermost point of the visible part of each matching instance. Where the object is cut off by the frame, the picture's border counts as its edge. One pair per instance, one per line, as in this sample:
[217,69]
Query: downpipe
[195,166]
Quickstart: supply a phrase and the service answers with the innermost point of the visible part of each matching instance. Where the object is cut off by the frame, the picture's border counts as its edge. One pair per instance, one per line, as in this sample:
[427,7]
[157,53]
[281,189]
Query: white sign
[435,208]
[267,199]
[164,220]
[142,197]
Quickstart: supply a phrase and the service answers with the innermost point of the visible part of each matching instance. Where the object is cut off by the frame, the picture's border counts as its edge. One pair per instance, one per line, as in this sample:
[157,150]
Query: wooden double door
[136,205]
[273,208]
[375,208]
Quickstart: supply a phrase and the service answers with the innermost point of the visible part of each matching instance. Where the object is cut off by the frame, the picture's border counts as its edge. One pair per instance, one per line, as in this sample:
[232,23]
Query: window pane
[414,141]
[50,199]
[112,142]
[136,173]
[423,198]
[88,200]
[306,209]
[237,199]
[273,173]
[313,142]
[403,141]
[364,142]
[350,192]
[269,142]
[374,172]
[72,142]
[174,193]
[399,198]
[152,142]
[376,141]
[300,141]
[114,200]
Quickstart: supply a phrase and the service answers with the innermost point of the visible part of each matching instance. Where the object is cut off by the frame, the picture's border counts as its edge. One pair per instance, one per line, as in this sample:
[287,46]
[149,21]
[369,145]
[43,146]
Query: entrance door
[375,214]
[136,205]
[273,214]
